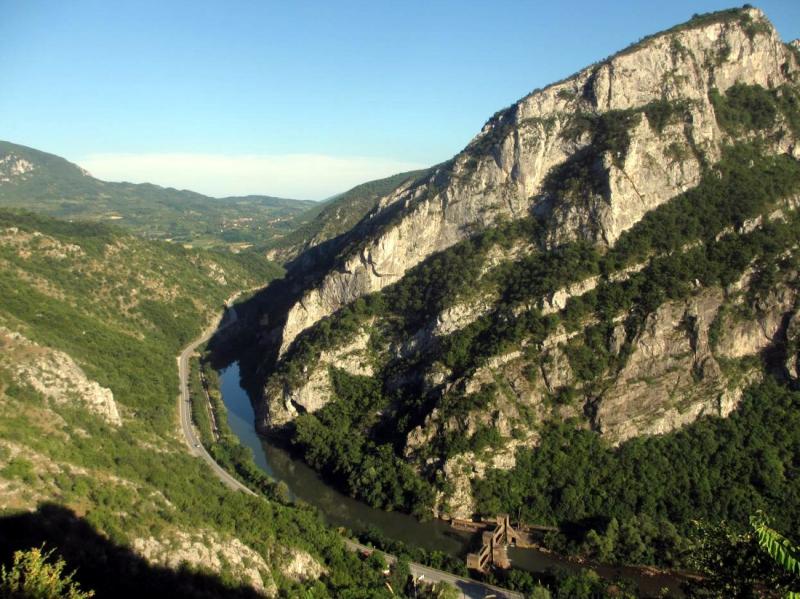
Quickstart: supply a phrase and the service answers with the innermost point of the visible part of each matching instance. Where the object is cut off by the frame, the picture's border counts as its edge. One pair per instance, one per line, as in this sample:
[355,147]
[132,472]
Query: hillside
[336,216]
[50,185]
[91,459]
[556,322]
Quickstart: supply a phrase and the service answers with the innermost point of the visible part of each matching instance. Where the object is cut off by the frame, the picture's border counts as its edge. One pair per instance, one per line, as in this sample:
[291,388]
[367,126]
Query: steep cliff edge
[522,158]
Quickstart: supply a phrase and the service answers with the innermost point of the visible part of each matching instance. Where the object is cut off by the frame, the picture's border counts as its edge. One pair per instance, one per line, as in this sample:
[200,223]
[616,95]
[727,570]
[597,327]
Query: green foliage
[19,468]
[734,561]
[107,298]
[433,559]
[200,406]
[714,469]
[779,548]
[335,441]
[589,356]
[744,184]
[660,113]
[582,175]
[34,576]
[744,108]
[122,307]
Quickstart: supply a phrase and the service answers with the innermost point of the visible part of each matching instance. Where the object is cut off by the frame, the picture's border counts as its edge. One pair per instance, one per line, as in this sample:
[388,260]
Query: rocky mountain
[50,185]
[336,216]
[617,251]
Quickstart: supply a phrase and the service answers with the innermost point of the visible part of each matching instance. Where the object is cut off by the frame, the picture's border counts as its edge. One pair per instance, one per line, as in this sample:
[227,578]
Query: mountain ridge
[596,255]
[369,266]
[50,184]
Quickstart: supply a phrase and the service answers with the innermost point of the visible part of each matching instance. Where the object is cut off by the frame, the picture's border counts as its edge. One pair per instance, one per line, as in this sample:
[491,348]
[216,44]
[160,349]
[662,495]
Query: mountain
[555,322]
[336,216]
[50,185]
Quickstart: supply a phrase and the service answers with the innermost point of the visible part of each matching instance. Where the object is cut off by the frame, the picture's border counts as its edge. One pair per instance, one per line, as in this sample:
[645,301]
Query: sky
[294,99]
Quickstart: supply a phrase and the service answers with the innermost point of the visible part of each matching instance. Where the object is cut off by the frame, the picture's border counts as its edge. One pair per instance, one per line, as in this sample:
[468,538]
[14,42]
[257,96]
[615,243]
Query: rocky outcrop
[56,376]
[474,378]
[689,358]
[300,566]
[315,390]
[503,172]
[14,168]
[206,550]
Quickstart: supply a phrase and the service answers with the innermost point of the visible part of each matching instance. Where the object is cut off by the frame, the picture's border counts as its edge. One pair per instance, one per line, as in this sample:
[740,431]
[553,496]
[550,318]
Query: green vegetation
[751,107]
[334,441]
[744,108]
[755,561]
[779,548]
[122,307]
[660,113]
[641,498]
[201,415]
[60,189]
[694,241]
[32,576]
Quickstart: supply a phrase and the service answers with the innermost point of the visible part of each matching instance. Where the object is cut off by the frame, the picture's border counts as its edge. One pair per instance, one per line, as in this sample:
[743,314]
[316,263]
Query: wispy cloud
[302,176]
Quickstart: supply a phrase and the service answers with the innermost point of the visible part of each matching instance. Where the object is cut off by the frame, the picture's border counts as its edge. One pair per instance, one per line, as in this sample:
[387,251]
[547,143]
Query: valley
[588,320]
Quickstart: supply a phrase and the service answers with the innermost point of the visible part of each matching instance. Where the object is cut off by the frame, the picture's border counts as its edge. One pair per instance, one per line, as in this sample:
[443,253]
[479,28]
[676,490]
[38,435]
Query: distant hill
[337,215]
[51,185]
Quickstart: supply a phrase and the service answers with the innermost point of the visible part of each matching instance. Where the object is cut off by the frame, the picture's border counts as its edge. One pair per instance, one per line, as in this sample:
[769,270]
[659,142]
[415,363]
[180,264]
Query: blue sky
[300,99]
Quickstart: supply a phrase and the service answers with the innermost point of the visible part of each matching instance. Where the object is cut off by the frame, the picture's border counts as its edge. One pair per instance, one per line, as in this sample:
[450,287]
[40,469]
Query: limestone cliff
[503,172]
[617,250]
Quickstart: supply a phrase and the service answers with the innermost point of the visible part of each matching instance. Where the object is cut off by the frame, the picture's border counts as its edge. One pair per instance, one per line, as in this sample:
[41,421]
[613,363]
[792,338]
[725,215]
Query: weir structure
[493,546]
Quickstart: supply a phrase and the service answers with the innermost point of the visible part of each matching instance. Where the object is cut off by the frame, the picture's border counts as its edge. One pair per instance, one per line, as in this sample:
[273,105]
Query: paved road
[470,589]
[185,410]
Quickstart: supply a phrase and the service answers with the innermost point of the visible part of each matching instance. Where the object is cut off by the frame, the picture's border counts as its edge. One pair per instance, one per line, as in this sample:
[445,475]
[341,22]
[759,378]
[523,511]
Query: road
[469,589]
[185,410]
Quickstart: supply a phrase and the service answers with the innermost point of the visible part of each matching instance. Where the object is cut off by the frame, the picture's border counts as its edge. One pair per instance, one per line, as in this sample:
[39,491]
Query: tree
[32,577]
[752,563]
[779,548]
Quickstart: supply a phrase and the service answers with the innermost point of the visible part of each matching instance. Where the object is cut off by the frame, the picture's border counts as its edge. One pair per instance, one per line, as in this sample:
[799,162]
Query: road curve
[469,589]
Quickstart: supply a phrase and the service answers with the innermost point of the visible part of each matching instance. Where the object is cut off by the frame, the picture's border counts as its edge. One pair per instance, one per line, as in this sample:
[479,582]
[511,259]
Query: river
[340,510]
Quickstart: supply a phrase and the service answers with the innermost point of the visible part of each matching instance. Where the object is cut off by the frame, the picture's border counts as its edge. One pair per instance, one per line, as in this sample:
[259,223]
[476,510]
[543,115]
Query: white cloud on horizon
[299,176]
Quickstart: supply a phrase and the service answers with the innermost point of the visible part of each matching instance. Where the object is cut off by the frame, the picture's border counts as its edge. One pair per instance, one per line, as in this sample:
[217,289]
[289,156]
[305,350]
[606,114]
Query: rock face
[581,162]
[57,377]
[503,172]
[315,392]
[207,551]
[14,168]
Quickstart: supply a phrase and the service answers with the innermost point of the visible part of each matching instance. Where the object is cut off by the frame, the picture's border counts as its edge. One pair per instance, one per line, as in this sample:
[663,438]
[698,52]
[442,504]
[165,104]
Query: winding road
[185,411]
[468,588]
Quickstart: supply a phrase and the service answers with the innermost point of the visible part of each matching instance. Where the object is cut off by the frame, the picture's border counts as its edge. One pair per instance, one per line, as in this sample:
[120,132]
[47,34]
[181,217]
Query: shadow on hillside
[111,570]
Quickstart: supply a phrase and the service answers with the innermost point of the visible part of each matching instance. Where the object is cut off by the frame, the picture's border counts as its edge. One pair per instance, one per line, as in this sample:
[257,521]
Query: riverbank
[467,588]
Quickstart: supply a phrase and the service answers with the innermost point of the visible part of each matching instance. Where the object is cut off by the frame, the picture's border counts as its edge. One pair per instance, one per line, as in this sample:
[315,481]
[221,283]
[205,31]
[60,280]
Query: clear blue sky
[393,83]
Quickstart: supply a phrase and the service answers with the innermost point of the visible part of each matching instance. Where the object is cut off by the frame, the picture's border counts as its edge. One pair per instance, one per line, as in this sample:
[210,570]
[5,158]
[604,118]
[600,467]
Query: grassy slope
[121,307]
[58,188]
